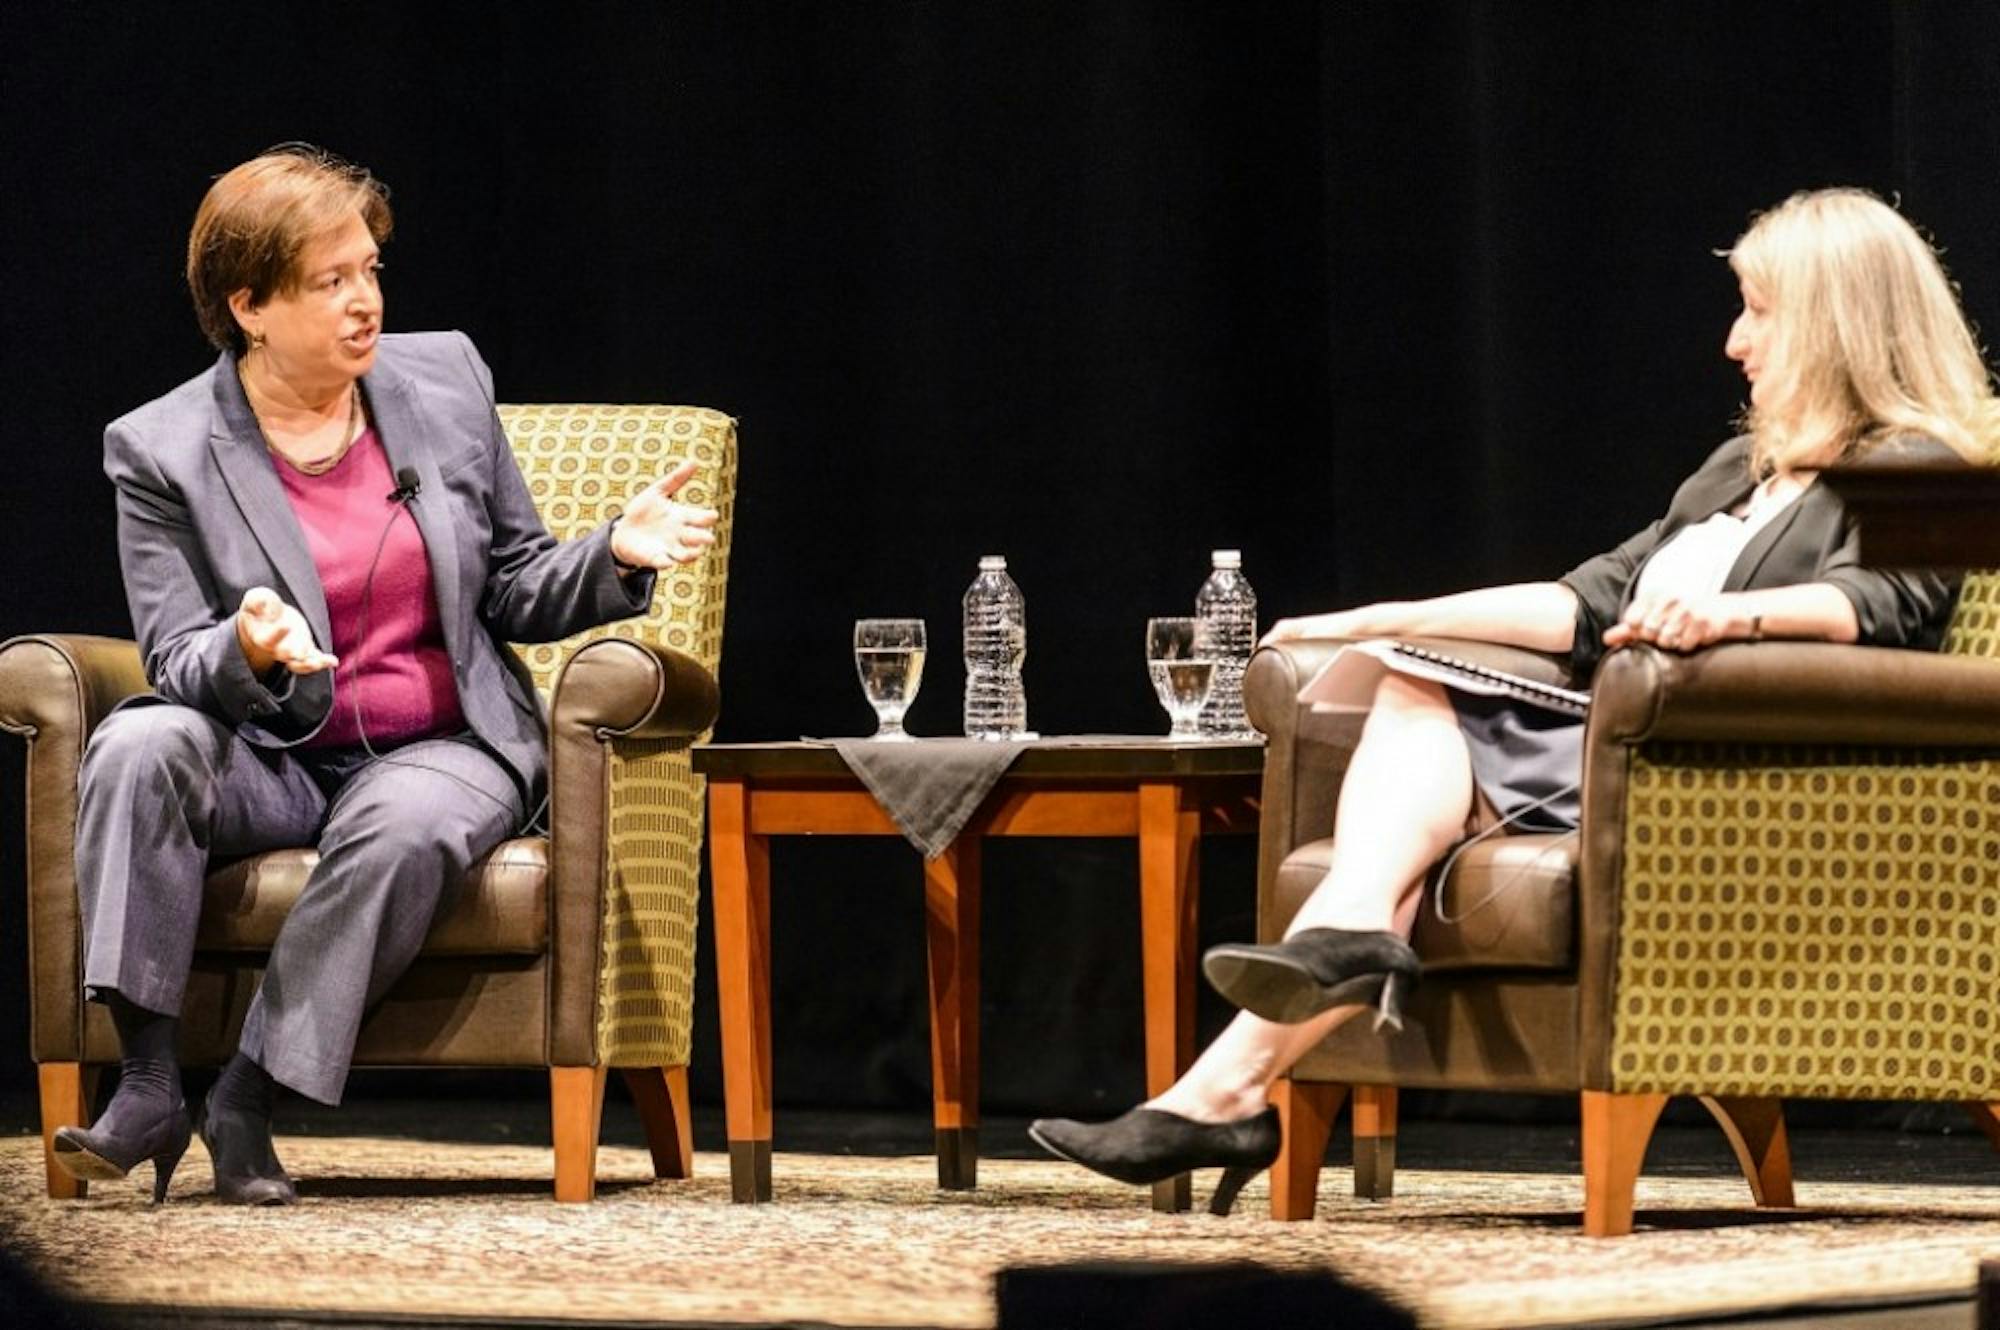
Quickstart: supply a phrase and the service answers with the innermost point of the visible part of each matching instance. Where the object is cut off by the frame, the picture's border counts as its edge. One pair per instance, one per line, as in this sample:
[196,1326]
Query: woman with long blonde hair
[1872,345]
[1853,344]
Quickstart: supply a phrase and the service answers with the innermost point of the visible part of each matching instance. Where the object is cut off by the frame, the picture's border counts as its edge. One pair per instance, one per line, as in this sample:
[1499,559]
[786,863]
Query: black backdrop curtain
[1398,298]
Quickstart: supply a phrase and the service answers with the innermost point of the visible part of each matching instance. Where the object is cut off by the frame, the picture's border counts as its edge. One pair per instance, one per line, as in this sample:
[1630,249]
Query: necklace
[320,466]
[313,466]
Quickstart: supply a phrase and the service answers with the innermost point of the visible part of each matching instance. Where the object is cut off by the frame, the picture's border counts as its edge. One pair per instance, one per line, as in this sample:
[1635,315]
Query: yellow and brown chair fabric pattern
[582,463]
[1975,622]
[1803,920]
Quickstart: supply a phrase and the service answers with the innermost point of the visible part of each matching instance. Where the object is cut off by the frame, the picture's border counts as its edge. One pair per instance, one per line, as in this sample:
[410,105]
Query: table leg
[951,926]
[1169,896]
[741,864]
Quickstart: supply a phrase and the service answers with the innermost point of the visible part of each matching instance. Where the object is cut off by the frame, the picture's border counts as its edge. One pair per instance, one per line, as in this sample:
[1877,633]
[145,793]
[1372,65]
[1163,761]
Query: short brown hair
[256,220]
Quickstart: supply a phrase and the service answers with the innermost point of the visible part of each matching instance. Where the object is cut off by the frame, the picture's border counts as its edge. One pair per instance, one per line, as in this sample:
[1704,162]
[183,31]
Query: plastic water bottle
[1227,608]
[996,642]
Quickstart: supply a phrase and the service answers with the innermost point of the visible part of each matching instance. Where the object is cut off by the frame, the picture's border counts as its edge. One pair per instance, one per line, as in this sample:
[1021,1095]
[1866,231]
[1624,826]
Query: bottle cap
[992,563]
[1227,558]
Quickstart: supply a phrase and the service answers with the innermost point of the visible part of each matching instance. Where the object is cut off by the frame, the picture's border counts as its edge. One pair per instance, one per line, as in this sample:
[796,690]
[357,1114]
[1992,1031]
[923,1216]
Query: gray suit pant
[166,790]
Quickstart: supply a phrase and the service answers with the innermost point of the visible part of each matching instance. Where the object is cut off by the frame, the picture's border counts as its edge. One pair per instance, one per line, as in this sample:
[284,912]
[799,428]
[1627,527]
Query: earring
[256,341]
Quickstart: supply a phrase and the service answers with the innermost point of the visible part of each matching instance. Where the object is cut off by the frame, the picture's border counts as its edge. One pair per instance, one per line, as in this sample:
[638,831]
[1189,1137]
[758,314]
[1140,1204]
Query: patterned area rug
[398,1228]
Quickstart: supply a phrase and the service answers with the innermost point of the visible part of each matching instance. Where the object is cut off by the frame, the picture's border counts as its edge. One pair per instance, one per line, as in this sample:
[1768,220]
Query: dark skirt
[1527,761]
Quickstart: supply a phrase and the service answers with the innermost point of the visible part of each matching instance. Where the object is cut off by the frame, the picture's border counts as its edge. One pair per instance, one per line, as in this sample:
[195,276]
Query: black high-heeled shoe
[1313,970]
[102,1155]
[247,1171]
[1149,1145]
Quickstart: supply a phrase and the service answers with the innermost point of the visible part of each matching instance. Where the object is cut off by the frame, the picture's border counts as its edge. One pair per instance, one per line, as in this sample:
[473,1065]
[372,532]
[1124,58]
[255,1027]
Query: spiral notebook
[1347,682]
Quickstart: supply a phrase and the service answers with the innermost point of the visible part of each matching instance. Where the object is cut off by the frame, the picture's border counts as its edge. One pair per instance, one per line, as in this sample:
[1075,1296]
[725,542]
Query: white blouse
[1697,560]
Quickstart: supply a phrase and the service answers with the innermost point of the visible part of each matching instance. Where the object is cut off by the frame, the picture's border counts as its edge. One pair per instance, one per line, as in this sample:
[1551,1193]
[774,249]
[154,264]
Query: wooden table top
[1108,756]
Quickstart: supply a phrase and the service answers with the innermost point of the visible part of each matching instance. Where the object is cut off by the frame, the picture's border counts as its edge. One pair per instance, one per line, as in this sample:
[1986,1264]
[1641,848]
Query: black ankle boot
[126,1136]
[236,1128]
[1150,1145]
[146,1118]
[1313,970]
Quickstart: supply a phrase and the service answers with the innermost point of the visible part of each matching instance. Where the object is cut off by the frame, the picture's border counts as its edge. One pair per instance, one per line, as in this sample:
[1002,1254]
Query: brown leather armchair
[573,951]
[1786,884]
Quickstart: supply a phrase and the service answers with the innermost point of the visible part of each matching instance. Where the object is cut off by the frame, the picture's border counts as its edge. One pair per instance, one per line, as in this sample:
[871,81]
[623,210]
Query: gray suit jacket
[1812,540]
[202,518]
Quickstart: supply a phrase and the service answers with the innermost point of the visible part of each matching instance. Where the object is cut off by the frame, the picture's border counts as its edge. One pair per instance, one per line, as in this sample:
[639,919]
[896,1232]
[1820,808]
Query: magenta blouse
[393,662]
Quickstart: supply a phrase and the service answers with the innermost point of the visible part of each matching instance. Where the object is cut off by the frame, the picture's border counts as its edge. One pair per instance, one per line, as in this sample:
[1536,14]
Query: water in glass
[1182,671]
[889,657]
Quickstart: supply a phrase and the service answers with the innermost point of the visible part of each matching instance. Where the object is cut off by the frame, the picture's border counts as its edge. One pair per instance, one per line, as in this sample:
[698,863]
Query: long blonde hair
[1869,341]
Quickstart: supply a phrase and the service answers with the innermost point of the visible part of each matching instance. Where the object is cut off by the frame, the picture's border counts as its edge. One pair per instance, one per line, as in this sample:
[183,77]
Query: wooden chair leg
[67,1091]
[1987,1116]
[1616,1130]
[576,1103]
[1374,1142]
[1756,1131]
[1306,1110]
[661,1094]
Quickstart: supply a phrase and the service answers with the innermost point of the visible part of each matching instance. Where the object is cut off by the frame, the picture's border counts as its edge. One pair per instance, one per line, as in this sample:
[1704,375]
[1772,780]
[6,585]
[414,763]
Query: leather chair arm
[1274,676]
[57,686]
[1796,692]
[612,689]
[1305,759]
[638,690]
[54,689]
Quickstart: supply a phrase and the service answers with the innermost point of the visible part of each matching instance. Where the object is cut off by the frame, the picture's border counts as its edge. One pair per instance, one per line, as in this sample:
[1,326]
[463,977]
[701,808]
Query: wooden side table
[1165,794]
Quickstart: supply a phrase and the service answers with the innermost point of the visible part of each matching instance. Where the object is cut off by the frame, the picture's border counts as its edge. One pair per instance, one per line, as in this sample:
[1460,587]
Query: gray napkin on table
[929,787]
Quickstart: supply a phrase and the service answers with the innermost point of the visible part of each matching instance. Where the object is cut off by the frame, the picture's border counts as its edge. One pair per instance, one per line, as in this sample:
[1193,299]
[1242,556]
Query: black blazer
[1812,540]
[202,518]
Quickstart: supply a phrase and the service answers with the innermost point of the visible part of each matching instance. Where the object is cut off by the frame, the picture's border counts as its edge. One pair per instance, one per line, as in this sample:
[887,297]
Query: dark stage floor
[1950,1152]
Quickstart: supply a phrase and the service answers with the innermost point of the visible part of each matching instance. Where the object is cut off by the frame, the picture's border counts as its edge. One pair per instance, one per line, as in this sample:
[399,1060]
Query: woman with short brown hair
[254,224]
[326,547]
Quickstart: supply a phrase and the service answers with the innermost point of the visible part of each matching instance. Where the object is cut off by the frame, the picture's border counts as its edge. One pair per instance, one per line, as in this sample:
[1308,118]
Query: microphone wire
[407,488]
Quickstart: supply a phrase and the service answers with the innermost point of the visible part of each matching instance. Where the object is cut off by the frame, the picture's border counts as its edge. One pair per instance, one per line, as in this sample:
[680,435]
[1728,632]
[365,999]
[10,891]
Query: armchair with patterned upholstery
[573,951]
[1786,884]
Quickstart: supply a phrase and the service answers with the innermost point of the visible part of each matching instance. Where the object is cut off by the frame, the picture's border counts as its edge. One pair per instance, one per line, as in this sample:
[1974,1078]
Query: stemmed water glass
[889,657]
[1182,668]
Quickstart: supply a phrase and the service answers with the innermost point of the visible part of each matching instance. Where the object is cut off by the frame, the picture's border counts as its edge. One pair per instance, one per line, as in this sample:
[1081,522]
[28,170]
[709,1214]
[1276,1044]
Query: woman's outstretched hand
[657,531]
[274,633]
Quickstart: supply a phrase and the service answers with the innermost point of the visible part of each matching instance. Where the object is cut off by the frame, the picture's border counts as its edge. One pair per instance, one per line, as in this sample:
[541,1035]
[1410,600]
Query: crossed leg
[1406,800]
